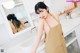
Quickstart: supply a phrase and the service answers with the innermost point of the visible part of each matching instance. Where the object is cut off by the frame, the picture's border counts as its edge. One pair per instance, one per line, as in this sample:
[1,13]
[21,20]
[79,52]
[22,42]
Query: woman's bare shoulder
[55,14]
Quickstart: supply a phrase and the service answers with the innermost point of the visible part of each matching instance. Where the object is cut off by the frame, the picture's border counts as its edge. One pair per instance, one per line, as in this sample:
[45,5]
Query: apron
[54,42]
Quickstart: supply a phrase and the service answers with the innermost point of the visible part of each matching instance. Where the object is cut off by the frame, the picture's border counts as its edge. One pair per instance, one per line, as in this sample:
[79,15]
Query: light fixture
[8,4]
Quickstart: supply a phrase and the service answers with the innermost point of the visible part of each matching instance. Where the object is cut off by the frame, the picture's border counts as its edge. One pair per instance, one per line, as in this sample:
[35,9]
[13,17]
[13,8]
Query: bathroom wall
[4,36]
[29,4]
[4,28]
[55,5]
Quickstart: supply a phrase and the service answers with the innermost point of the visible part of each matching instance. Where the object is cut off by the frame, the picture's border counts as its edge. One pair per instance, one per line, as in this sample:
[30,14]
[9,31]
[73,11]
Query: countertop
[69,24]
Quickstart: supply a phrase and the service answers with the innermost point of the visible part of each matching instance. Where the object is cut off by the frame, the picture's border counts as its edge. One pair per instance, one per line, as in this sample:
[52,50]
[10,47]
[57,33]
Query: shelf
[23,31]
[18,4]
[71,42]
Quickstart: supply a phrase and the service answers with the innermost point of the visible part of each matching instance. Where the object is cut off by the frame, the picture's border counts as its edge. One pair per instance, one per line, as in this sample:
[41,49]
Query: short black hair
[14,19]
[10,16]
[41,5]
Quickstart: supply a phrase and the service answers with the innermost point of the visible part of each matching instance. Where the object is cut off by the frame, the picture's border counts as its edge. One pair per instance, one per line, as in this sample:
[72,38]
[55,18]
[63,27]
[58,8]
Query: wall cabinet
[78,34]
[72,43]
[73,48]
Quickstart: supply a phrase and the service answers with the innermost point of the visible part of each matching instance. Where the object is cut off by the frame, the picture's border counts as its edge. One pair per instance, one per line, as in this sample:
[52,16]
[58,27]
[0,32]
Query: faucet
[68,15]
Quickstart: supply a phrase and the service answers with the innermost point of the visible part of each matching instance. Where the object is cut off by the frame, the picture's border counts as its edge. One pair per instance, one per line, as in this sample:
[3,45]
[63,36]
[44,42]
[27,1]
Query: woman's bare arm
[68,8]
[40,32]
[13,27]
[22,24]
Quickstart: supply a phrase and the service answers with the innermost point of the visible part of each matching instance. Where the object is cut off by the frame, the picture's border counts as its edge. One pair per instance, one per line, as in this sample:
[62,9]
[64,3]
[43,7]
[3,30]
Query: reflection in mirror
[17,18]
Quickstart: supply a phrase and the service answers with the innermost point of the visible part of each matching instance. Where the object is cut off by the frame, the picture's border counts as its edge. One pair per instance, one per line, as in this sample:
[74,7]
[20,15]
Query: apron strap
[48,24]
[53,18]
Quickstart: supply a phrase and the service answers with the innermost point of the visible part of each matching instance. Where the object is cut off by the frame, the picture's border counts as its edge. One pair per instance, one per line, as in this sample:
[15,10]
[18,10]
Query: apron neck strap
[48,24]
[53,18]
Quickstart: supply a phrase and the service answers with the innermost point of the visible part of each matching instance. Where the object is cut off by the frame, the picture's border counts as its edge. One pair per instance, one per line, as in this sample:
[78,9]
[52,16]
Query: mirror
[1,19]
[17,17]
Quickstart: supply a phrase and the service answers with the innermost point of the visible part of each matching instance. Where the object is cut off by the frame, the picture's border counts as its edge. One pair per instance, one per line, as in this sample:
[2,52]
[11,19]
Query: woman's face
[43,13]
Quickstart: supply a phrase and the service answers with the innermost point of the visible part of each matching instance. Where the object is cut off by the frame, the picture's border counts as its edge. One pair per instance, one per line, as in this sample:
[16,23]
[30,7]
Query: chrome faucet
[68,15]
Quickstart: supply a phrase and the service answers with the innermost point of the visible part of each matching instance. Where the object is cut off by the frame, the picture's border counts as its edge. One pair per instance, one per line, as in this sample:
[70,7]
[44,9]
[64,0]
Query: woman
[50,24]
[15,24]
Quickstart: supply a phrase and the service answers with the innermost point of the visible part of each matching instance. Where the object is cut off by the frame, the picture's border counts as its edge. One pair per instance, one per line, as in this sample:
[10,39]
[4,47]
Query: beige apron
[54,41]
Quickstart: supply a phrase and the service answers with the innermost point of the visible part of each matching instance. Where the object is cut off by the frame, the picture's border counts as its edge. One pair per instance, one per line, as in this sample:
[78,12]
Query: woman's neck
[48,16]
